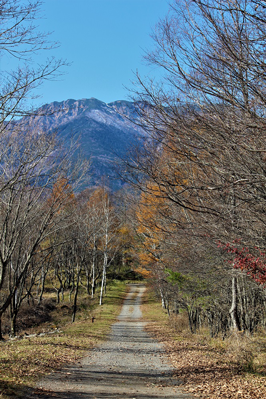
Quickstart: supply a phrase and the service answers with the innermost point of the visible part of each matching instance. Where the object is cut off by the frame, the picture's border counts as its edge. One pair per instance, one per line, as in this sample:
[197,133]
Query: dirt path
[129,365]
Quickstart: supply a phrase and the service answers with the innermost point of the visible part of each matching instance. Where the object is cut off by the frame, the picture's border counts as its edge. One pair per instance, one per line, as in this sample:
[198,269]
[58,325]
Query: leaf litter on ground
[206,369]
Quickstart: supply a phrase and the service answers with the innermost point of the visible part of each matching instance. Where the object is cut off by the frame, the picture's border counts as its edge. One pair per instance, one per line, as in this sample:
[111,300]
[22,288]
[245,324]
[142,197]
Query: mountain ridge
[105,131]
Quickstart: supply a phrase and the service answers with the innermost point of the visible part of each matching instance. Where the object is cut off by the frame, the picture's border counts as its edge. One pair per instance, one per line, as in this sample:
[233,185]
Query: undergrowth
[213,368]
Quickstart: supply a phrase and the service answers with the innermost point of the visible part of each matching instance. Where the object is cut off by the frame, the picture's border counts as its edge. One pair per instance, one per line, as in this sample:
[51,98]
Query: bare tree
[207,115]
[21,41]
[109,237]
[205,123]
[32,202]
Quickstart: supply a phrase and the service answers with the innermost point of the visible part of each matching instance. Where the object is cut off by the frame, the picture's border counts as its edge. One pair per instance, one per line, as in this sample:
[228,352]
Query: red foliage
[253,263]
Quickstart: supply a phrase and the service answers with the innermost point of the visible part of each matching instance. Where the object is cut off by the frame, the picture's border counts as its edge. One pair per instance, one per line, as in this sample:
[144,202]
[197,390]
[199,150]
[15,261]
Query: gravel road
[129,365]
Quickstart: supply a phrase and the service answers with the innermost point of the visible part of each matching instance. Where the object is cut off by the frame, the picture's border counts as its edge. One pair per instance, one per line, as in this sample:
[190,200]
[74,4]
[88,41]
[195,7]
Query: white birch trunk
[93,269]
[233,309]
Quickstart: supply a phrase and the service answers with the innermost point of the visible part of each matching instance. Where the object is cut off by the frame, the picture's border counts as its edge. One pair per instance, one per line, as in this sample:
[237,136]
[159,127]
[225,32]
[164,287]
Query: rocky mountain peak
[105,131]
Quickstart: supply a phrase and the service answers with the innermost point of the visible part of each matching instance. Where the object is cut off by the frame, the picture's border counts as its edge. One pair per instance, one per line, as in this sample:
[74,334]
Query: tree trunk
[1,335]
[102,286]
[76,296]
[233,309]
[58,295]
[13,321]
[93,273]
[105,261]
[162,298]
[92,280]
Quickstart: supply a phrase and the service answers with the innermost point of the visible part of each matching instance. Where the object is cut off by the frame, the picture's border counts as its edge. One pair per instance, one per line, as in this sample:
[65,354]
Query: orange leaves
[147,257]
[148,214]
[144,272]
[98,197]
[62,195]
[63,190]
[150,226]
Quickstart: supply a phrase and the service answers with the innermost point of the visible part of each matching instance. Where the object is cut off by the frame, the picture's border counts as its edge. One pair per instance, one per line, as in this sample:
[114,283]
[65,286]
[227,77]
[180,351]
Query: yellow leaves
[124,230]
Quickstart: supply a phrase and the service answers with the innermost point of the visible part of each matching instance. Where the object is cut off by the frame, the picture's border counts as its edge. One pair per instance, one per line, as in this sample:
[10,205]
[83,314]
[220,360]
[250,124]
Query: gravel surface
[129,365]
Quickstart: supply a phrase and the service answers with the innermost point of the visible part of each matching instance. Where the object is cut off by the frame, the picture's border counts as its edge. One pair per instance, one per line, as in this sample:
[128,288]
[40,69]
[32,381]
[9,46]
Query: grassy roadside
[23,361]
[209,368]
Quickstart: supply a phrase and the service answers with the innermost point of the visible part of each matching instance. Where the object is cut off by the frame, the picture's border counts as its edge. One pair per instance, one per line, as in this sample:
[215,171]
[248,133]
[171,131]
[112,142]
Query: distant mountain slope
[105,131]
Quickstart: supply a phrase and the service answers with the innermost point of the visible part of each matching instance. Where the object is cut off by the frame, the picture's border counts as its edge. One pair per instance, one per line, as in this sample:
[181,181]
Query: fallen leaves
[205,368]
[207,372]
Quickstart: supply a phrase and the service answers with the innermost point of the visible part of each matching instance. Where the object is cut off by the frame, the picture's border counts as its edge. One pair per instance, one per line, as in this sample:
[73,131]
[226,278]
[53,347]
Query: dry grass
[210,368]
[25,360]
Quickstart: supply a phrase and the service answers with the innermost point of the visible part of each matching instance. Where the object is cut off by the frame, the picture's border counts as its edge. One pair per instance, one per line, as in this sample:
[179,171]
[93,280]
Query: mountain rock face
[104,131]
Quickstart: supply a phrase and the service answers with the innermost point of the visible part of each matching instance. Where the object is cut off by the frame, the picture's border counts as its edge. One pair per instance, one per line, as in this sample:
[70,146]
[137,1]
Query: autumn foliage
[62,193]
[254,264]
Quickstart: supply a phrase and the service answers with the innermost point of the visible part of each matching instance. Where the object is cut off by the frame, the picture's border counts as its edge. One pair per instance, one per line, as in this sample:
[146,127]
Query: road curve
[130,364]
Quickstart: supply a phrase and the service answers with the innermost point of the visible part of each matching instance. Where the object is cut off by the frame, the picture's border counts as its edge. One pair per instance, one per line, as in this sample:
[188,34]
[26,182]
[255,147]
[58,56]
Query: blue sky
[104,40]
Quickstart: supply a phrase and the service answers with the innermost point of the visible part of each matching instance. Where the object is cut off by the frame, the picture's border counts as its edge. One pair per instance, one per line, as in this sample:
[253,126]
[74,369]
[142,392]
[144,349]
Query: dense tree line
[51,233]
[201,167]
[199,213]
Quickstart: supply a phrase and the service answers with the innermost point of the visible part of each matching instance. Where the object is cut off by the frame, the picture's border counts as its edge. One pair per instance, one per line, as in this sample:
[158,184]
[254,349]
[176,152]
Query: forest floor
[210,368]
[130,364]
[183,364]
